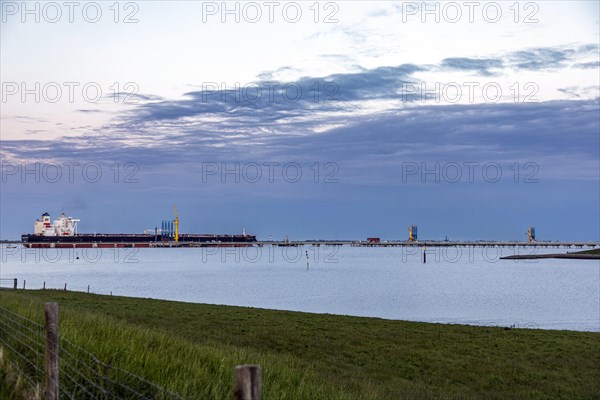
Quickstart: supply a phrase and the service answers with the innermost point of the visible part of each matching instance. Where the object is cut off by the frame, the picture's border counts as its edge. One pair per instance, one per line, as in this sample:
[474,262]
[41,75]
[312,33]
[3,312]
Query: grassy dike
[592,251]
[192,349]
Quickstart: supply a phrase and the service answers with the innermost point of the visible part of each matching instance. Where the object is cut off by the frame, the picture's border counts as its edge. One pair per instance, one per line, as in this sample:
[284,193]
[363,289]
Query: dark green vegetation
[593,254]
[192,348]
[593,251]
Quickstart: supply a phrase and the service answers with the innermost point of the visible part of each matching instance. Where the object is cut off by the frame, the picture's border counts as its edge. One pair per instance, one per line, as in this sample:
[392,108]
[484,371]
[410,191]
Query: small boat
[11,246]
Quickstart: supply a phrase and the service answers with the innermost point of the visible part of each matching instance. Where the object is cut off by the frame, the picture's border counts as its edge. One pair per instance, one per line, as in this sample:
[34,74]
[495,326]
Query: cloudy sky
[347,119]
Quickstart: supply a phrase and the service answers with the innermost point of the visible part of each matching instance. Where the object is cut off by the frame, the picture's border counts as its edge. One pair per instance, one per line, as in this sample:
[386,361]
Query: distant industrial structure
[531,234]
[412,233]
[169,229]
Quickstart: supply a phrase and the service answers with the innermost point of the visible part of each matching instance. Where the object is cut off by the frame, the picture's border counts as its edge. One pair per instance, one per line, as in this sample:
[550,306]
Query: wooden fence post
[52,367]
[247,382]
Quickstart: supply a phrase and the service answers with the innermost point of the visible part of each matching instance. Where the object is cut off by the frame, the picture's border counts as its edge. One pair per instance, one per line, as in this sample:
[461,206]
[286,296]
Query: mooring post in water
[15,284]
[24,284]
[44,287]
[247,382]
[88,288]
[52,355]
[65,287]
[424,254]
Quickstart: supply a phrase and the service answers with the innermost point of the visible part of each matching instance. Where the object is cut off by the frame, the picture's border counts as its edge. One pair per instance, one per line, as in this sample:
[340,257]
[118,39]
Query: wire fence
[82,375]
[14,283]
[23,340]
[8,283]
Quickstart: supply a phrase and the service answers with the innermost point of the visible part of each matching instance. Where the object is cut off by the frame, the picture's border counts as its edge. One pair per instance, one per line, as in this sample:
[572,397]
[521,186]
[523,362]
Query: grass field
[593,251]
[192,349]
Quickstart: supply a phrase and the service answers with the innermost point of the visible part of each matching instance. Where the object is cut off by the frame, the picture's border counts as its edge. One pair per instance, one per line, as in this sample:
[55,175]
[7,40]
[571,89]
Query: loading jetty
[352,243]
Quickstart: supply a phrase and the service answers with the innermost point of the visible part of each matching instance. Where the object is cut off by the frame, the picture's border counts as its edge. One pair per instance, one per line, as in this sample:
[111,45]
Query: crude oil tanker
[62,233]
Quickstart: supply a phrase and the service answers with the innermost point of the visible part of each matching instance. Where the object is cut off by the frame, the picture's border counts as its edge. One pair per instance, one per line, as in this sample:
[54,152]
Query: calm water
[455,285]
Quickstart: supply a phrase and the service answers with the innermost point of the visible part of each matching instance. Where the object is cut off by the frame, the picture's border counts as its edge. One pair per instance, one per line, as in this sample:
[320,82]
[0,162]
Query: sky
[315,120]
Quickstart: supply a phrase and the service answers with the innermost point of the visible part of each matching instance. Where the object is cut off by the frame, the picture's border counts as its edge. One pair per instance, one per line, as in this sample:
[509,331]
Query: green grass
[593,251]
[192,349]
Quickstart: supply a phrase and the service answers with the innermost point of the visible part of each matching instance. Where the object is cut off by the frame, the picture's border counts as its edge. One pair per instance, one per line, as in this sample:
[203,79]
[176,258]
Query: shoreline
[571,256]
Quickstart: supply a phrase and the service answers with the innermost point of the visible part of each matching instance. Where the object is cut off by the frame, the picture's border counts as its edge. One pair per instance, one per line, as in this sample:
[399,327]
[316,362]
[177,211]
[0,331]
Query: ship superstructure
[63,226]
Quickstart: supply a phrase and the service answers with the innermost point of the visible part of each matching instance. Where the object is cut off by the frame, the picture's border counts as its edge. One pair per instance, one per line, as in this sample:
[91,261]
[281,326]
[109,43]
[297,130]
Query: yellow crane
[176,222]
[412,233]
[531,234]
